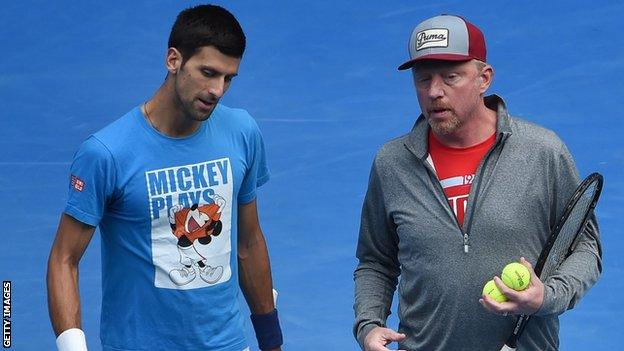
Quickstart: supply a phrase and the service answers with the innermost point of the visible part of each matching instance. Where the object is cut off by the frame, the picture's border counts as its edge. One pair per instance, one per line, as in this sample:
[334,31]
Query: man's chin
[201,116]
[445,127]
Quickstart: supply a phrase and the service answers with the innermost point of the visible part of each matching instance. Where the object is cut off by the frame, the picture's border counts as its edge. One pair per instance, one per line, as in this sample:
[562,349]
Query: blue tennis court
[321,79]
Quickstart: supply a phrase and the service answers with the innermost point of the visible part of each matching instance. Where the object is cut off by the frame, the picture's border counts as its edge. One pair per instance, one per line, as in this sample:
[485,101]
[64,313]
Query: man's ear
[173,60]
[487,76]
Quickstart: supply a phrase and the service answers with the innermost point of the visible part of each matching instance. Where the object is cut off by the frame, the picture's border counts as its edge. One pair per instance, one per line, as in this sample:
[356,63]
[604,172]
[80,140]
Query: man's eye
[208,73]
[452,76]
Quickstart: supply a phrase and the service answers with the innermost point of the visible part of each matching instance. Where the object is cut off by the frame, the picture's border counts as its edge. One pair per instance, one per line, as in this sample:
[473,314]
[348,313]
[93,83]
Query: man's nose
[436,88]
[217,87]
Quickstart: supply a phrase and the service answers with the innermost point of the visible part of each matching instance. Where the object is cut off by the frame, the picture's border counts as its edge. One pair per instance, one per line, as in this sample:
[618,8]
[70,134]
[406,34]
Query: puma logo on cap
[432,38]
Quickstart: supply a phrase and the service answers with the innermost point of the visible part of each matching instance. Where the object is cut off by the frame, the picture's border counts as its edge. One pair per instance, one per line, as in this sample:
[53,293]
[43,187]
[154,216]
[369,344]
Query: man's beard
[188,108]
[445,127]
[194,114]
[199,117]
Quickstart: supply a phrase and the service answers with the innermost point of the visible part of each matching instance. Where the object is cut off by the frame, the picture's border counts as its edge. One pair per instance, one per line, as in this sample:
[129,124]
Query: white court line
[35,163]
[295,120]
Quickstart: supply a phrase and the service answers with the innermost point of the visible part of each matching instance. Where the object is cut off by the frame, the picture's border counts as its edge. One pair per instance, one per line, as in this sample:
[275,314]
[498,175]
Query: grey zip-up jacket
[408,229]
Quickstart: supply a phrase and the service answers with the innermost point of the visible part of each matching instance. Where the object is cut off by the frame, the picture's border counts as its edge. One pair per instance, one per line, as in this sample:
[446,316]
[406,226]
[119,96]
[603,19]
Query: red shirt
[456,168]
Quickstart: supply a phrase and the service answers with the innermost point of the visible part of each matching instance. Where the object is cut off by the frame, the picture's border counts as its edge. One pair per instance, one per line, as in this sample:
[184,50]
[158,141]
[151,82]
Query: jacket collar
[417,138]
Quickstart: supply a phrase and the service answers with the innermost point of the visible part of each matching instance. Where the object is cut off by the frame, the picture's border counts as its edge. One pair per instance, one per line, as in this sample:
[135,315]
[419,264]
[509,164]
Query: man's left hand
[527,301]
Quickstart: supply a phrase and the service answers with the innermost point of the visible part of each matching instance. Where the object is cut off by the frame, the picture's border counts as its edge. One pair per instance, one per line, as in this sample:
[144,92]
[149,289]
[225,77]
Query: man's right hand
[378,338]
[172,211]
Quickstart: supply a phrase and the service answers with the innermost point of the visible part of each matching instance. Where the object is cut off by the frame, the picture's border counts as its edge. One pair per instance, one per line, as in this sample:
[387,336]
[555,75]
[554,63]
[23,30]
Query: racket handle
[507,348]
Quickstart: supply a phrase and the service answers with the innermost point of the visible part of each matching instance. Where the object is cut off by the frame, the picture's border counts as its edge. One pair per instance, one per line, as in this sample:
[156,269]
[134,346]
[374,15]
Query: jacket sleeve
[578,273]
[377,273]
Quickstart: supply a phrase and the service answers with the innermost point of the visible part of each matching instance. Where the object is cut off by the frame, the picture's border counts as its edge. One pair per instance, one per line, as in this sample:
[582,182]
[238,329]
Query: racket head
[570,225]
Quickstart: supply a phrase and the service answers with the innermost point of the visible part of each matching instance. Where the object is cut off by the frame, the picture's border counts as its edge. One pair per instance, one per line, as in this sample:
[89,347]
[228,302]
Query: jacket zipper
[441,191]
[476,192]
[466,234]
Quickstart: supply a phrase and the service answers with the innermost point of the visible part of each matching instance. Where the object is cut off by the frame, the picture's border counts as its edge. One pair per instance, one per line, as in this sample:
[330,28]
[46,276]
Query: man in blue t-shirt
[172,187]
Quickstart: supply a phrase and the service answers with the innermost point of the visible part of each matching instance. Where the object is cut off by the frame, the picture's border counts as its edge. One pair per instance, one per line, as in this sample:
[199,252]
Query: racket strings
[568,232]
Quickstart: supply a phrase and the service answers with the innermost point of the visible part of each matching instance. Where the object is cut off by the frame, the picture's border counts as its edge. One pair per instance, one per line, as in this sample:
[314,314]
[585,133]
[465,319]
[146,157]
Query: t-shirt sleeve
[91,182]
[257,171]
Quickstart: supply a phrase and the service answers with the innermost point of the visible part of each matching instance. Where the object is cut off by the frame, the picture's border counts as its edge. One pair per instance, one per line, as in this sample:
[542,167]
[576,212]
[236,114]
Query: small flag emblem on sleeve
[77,183]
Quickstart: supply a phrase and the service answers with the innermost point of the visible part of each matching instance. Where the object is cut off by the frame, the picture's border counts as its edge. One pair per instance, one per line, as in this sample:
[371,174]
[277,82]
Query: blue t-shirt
[167,213]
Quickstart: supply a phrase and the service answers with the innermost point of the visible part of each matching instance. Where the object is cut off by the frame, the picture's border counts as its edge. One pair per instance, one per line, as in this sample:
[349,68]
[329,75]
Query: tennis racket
[562,240]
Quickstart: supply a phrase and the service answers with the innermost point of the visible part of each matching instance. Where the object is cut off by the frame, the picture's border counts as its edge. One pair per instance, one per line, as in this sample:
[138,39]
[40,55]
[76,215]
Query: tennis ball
[516,276]
[492,290]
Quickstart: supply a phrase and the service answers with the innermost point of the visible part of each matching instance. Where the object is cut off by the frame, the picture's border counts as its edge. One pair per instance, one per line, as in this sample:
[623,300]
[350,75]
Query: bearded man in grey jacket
[449,204]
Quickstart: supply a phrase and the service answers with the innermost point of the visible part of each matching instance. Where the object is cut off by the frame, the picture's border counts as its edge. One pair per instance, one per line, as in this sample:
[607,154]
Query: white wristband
[71,340]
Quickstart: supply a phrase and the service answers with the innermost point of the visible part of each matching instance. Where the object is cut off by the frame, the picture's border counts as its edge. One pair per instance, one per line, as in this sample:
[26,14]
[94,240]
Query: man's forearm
[576,275]
[255,275]
[63,296]
[373,297]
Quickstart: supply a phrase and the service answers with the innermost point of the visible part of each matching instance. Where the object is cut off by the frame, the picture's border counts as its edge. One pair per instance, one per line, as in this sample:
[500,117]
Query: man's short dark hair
[207,25]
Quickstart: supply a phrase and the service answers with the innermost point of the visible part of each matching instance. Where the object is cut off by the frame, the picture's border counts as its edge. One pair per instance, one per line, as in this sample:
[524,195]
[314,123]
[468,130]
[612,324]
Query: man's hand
[220,201]
[172,211]
[379,337]
[527,301]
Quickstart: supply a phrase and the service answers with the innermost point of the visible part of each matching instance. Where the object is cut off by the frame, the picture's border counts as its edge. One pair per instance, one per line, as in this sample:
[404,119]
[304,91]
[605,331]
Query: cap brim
[441,57]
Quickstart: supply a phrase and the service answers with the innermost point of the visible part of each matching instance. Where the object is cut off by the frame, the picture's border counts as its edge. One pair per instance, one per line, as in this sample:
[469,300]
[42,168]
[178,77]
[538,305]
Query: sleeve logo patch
[432,38]
[77,183]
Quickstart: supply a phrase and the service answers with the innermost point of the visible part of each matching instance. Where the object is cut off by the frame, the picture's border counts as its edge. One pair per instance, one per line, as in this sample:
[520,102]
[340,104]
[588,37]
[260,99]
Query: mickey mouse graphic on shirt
[195,226]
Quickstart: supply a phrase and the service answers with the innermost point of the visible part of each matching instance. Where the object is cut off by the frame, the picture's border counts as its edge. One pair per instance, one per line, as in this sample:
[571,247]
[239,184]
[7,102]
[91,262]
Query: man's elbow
[250,243]
[59,262]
